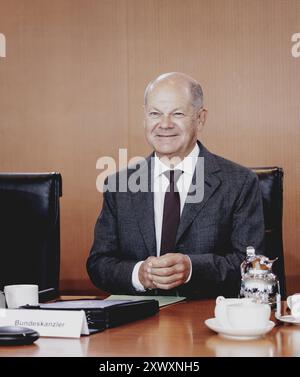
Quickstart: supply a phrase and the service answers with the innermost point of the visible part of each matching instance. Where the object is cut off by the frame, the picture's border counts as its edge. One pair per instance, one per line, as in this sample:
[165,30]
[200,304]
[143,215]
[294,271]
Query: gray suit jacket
[213,233]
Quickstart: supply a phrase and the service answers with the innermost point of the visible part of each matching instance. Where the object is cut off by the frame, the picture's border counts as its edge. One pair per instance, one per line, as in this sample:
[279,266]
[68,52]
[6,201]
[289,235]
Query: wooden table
[178,330]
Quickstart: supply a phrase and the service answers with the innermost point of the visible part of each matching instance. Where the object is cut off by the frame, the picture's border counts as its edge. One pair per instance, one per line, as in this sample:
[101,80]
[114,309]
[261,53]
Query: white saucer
[289,319]
[241,334]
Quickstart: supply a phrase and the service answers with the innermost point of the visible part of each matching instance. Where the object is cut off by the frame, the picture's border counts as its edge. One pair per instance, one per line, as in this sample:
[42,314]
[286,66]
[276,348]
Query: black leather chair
[271,184]
[30,230]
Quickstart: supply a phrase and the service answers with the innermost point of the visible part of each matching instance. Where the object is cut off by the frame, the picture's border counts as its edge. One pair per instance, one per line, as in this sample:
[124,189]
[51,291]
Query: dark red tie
[171,215]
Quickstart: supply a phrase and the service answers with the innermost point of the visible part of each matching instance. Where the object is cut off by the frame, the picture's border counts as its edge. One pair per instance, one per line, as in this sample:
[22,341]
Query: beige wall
[72,83]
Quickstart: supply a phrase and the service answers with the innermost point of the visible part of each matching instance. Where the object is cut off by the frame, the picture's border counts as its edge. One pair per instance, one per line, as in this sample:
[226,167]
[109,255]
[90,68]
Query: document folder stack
[103,314]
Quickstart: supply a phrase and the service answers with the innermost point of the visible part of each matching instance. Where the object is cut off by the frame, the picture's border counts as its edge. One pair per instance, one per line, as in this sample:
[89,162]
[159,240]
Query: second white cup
[293,303]
[21,294]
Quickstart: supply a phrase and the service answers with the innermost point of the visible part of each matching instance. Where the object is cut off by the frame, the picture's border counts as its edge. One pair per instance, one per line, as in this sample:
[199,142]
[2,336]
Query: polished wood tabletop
[177,330]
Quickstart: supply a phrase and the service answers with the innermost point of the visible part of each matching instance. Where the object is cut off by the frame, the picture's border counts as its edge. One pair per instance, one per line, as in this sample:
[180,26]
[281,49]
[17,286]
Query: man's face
[171,122]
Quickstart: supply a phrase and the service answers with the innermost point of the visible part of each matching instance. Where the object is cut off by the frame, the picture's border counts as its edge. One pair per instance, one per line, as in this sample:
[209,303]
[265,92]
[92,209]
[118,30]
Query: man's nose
[166,122]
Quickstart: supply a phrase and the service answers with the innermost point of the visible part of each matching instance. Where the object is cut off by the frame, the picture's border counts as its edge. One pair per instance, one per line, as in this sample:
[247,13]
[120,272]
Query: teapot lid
[257,263]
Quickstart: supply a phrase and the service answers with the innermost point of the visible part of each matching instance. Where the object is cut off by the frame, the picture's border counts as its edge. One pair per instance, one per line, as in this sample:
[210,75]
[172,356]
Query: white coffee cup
[21,294]
[296,310]
[293,303]
[248,316]
[221,308]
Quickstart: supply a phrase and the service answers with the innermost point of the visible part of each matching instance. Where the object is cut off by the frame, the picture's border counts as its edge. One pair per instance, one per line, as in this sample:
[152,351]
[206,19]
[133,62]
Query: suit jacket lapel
[211,183]
[143,204]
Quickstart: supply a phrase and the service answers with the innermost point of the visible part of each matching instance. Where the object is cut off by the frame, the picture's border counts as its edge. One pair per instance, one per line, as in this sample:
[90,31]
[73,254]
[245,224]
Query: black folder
[103,314]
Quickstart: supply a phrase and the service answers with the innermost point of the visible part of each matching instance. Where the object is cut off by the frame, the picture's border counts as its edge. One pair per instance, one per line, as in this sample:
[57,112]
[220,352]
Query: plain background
[72,84]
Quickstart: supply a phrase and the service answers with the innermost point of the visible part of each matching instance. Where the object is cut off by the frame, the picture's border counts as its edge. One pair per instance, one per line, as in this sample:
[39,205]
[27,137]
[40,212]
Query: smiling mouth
[166,135]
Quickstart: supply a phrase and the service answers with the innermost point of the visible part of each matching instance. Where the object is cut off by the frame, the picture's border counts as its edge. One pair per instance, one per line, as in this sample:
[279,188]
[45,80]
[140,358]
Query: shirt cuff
[137,285]
[190,275]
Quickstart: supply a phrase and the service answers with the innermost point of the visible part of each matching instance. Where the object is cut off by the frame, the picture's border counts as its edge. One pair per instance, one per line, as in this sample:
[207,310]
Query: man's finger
[163,271]
[144,278]
[168,279]
[167,260]
[168,271]
[168,286]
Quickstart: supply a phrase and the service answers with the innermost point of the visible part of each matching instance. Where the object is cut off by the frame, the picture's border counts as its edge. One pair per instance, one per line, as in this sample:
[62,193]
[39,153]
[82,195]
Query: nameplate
[56,323]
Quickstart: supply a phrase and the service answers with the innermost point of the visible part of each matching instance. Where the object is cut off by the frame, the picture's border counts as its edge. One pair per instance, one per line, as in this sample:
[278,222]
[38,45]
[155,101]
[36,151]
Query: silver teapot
[258,280]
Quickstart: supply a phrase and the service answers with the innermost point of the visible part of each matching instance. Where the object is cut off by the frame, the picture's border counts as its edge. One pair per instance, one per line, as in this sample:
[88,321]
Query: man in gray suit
[164,239]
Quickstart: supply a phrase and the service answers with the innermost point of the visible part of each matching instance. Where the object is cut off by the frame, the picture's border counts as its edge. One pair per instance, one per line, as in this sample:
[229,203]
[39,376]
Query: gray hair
[195,89]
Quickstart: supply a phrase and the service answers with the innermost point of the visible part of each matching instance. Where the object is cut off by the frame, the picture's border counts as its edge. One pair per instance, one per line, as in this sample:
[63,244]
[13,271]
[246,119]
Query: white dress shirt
[161,183]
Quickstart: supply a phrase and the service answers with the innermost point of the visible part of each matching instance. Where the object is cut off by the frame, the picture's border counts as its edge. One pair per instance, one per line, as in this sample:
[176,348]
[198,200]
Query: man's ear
[201,118]
[144,116]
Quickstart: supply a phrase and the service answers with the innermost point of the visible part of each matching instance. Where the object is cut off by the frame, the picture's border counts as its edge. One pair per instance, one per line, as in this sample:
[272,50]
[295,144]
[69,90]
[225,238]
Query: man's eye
[178,114]
[154,114]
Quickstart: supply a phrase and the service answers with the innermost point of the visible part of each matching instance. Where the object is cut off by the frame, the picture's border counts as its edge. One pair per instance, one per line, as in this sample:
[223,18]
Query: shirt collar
[187,165]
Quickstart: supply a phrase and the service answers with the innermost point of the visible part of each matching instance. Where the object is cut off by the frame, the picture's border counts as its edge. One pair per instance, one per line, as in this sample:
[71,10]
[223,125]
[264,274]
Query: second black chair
[29,228]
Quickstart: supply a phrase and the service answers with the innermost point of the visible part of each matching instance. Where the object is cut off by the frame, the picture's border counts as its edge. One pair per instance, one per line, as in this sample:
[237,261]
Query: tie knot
[173,175]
